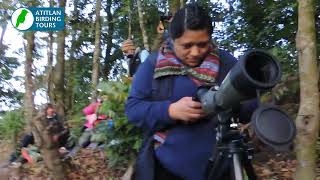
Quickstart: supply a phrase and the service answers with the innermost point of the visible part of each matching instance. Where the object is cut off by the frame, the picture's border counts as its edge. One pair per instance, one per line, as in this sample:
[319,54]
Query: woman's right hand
[186,110]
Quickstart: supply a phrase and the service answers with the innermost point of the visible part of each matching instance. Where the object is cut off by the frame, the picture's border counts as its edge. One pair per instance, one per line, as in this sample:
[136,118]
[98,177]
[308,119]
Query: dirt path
[5,171]
[91,164]
[5,150]
[88,164]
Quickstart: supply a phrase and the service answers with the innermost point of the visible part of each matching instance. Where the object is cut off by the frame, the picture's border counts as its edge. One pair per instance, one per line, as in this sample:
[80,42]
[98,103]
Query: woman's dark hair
[46,106]
[49,105]
[191,17]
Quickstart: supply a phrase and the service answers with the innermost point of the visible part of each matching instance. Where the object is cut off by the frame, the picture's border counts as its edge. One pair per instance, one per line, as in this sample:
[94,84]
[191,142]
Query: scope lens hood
[273,127]
[256,69]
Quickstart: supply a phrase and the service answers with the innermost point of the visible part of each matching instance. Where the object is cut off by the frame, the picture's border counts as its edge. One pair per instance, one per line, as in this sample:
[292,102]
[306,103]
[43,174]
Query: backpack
[135,60]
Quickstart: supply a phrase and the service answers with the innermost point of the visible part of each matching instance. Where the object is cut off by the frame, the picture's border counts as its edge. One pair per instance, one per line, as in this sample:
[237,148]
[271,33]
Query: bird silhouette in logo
[21,17]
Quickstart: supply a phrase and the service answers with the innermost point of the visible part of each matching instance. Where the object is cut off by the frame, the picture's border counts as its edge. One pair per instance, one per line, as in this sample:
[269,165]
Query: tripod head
[232,152]
[227,127]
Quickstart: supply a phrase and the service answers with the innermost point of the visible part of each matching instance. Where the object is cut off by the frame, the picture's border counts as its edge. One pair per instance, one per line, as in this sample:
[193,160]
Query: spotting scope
[255,70]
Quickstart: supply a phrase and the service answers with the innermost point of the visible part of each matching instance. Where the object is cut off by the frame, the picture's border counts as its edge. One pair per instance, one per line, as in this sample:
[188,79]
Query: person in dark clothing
[58,131]
[133,55]
[183,134]
[60,134]
[25,141]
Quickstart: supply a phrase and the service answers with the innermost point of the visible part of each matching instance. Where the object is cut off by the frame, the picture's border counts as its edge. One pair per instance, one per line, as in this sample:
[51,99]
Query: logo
[22,19]
[38,19]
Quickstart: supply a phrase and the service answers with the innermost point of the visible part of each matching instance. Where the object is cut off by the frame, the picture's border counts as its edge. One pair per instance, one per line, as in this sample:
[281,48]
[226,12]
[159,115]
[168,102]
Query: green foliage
[287,91]
[75,122]
[7,66]
[263,24]
[287,59]
[11,124]
[124,139]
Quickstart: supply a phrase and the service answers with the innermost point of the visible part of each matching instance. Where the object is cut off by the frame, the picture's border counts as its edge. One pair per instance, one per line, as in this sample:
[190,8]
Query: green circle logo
[22,19]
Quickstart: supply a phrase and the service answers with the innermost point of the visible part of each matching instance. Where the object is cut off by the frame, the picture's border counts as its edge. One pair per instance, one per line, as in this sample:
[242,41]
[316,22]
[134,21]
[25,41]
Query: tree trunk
[29,83]
[142,26]
[107,68]
[4,28]
[70,66]
[308,116]
[48,149]
[174,5]
[50,68]
[70,83]
[97,52]
[59,70]
[181,4]
[130,19]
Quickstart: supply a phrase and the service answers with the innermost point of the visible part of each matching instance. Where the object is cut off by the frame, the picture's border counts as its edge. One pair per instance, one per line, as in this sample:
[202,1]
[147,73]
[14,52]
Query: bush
[75,123]
[124,140]
[11,124]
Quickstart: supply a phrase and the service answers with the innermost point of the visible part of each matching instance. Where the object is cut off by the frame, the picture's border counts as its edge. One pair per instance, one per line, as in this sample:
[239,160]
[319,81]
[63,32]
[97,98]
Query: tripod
[232,155]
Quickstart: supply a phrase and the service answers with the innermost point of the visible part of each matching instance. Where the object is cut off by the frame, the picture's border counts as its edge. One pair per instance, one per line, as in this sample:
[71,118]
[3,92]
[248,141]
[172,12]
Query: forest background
[69,66]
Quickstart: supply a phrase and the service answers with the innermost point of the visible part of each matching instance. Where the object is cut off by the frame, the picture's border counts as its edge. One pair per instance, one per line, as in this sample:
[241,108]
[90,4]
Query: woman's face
[192,46]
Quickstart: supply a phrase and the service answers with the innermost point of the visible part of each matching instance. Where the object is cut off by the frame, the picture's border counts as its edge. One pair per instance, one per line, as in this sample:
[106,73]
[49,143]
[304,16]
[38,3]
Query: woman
[187,137]
[91,114]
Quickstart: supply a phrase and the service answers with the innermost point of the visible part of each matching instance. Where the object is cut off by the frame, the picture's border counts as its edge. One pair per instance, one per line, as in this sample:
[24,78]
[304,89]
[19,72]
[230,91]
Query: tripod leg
[249,169]
[238,173]
[219,169]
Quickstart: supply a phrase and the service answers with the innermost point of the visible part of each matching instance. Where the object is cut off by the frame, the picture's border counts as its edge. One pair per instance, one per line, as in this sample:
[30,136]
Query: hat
[127,46]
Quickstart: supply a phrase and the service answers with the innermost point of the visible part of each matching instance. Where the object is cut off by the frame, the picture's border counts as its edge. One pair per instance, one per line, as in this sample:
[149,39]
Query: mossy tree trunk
[109,36]
[48,148]
[59,83]
[308,116]
[142,26]
[70,66]
[97,52]
[49,68]
[175,5]
[29,82]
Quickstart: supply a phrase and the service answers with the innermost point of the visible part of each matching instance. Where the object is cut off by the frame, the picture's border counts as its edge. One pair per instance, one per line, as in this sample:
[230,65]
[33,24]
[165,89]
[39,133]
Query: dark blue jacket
[187,148]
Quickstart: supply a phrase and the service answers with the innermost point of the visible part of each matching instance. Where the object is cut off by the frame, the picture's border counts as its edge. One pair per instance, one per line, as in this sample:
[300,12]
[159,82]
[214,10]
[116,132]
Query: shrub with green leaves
[11,123]
[75,123]
[124,139]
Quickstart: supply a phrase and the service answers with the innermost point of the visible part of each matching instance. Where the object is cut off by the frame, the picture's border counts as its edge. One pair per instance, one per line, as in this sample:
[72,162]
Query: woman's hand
[186,110]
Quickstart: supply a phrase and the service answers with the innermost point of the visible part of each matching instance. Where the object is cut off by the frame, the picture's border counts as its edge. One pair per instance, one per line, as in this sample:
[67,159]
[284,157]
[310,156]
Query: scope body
[256,70]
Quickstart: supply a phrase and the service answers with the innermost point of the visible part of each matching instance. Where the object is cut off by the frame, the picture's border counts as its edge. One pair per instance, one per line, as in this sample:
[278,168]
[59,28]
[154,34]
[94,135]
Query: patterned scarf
[203,75]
